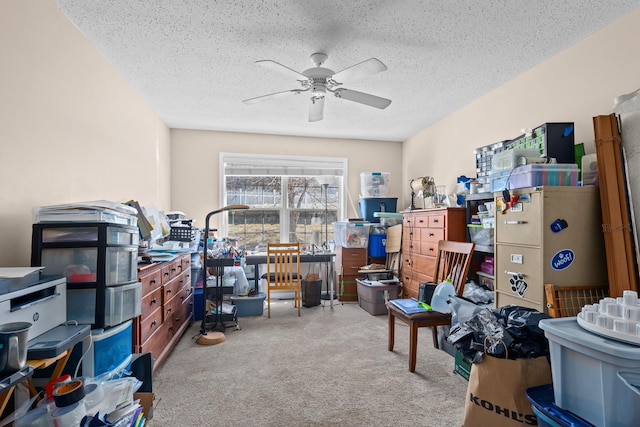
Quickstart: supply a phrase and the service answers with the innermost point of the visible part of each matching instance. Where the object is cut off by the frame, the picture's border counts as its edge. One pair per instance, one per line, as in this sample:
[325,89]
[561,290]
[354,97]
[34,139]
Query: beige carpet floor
[329,367]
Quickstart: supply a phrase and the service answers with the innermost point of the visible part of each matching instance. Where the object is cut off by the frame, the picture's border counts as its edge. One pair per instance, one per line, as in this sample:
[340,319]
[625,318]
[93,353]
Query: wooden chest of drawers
[167,300]
[348,262]
[421,231]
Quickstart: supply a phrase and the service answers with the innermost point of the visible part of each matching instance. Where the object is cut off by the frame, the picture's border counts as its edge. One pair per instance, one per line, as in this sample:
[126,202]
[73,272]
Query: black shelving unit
[98,259]
[480,251]
[218,290]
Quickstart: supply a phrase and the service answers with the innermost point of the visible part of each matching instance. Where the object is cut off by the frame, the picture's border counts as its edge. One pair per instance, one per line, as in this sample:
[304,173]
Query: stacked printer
[27,295]
[95,248]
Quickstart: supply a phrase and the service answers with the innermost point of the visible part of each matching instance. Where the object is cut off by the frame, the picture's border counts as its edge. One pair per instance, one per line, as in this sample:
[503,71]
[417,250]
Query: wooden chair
[283,271]
[452,262]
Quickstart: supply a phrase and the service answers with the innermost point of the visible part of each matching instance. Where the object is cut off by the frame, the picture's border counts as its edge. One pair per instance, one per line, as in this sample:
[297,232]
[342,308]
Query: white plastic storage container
[585,367]
[589,170]
[374,184]
[110,350]
[115,235]
[509,159]
[351,234]
[80,265]
[121,303]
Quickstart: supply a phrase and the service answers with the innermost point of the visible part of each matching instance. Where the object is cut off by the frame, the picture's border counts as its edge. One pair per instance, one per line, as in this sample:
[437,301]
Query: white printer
[35,298]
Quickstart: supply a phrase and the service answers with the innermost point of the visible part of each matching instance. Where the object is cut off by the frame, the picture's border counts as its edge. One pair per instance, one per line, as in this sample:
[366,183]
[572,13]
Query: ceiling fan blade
[271,95]
[364,69]
[275,66]
[363,98]
[316,109]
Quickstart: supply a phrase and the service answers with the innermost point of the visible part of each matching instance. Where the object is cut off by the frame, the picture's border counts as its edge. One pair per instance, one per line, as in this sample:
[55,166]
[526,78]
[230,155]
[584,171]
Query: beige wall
[573,86]
[195,157]
[72,128]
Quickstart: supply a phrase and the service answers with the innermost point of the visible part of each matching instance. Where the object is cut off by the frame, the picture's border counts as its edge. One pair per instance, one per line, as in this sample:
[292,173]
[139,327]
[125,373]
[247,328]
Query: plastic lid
[565,330]
[441,295]
[393,215]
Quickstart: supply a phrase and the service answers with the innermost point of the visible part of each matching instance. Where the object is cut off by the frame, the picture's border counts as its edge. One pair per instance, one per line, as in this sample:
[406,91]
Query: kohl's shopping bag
[496,392]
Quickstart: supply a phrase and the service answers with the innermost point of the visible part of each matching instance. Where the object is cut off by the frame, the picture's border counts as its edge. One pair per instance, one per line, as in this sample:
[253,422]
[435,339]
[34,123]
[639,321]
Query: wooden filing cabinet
[553,235]
[348,262]
[421,231]
[167,300]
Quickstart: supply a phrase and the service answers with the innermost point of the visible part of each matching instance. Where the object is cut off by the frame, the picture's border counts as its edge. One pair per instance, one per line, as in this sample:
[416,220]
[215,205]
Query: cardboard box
[462,367]
[146,401]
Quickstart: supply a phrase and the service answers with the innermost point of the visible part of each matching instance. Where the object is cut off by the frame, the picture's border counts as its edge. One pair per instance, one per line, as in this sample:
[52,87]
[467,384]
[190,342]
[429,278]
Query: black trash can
[311,292]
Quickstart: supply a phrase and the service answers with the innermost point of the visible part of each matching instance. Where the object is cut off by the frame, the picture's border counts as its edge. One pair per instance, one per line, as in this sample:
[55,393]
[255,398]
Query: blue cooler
[368,206]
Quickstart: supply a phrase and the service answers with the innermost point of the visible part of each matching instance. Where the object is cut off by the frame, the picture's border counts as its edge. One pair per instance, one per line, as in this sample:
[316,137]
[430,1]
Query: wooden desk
[26,374]
[60,361]
[7,385]
[218,264]
[63,349]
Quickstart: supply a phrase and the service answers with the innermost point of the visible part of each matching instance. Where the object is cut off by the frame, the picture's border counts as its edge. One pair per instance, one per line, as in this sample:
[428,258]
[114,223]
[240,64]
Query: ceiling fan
[318,81]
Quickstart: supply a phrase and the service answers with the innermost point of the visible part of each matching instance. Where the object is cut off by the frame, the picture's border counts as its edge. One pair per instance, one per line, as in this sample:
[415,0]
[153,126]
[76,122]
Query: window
[292,199]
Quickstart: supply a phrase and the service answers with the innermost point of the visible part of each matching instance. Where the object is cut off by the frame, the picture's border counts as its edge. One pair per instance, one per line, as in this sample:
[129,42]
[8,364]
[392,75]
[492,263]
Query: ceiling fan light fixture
[318,90]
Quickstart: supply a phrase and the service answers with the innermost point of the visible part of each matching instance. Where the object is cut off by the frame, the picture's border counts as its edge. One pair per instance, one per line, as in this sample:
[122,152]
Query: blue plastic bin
[377,245]
[197,304]
[370,205]
[542,403]
[110,349]
[249,306]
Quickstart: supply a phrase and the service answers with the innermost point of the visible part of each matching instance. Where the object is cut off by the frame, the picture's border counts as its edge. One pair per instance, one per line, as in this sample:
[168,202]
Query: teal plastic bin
[249,306]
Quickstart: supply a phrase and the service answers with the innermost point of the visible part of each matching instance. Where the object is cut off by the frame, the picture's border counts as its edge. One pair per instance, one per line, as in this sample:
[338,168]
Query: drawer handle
[153,301]
[431,234]
[436,221]
[514,273]
[430,249]
[169,290]
[166,273]
[177,319]
[169,310]
[515,222]
[420,221]
[171,328]
[152,281]
[154,323]
[173,269]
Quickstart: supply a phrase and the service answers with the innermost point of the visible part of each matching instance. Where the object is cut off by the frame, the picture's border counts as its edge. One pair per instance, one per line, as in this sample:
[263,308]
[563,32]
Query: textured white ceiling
[194,60]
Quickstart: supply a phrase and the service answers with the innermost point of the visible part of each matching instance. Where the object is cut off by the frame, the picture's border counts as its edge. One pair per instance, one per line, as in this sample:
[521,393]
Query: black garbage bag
[510,331]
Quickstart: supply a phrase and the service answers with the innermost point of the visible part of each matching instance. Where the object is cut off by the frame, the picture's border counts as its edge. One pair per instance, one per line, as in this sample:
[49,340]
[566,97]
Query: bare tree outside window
[283,208]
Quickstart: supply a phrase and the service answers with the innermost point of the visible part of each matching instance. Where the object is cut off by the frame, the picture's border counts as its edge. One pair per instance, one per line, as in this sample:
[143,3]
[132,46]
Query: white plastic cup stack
[630,298]
[621,315]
